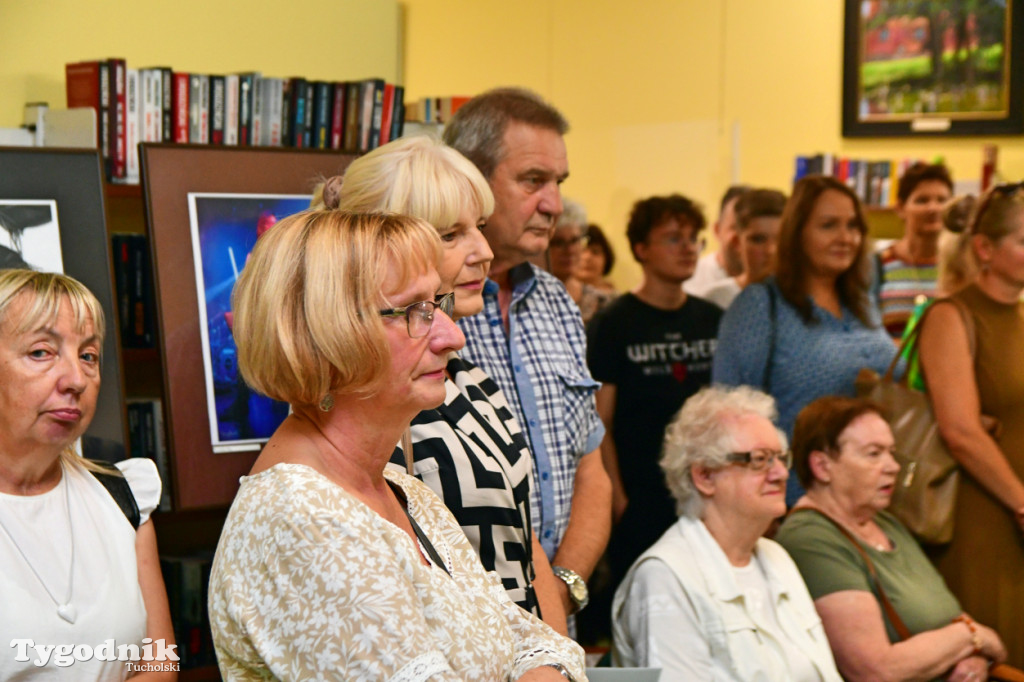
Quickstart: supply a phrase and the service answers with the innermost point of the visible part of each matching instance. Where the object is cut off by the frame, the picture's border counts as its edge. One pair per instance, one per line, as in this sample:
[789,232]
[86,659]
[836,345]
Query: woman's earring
[326,403]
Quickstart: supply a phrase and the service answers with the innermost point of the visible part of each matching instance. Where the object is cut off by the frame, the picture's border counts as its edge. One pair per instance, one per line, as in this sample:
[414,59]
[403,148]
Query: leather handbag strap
[424,541]
[766,378]
[909,345]
[890,611]
[118,487]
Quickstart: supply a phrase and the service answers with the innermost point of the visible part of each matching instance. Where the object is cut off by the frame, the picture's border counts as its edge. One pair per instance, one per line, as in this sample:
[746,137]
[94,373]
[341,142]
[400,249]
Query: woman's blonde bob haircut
[43,294]
[307,304]
[417,176]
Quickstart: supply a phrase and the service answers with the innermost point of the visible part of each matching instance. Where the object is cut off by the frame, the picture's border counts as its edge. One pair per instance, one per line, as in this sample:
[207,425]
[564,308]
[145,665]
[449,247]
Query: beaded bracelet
[973,627]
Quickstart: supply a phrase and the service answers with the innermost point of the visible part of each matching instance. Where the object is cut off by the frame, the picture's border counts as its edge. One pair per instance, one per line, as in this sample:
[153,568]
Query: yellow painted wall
[659,92]
[322,39]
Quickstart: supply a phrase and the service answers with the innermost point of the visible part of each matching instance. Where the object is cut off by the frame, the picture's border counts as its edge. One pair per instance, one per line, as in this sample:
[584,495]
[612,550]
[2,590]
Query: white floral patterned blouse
[309,583]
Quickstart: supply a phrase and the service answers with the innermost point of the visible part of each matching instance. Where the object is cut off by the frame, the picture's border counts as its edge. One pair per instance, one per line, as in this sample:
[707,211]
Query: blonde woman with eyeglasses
[984,564]
[330,566]
[713,599]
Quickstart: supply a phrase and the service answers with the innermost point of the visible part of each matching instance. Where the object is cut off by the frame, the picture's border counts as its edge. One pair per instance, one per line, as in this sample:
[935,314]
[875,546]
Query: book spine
[149,80]
[204,109]
[217,103]
[296,112]
[323,97]
[398,115]
[258,117]
[377,116]
[307,129]
[231,110]
[82,88]
[286,112]
[802,165]
[122,290]
[166,105]
[160,454]
[106,146]
[366,96]
[132,115]
[195,83]
[245,87]
[181,107]
[352,98]
[337,115]
[273,98]
[387,112]
[120,105]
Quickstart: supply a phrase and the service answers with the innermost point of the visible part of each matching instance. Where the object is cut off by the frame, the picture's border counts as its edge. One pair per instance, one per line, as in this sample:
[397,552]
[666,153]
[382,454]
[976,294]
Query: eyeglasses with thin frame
[761,459]
[677,239]
[564,243]
[419,316]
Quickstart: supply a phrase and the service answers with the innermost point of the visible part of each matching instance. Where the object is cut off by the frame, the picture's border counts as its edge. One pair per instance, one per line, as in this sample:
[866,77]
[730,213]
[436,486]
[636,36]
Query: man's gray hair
[573,213]
[703,433]
[477,129]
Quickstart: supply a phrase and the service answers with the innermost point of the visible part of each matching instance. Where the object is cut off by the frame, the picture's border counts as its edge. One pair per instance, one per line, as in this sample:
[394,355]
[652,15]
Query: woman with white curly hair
[713,599]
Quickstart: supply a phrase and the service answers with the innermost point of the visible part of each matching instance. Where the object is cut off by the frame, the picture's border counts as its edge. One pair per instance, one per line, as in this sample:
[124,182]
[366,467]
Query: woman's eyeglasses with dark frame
[761,459]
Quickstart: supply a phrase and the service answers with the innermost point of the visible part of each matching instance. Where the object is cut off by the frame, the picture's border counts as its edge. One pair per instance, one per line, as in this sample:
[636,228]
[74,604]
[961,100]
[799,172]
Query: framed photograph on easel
[52,219]
[933,67]
[212,447]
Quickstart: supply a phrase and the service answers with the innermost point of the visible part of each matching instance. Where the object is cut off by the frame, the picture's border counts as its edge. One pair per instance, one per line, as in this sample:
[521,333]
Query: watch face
[578,590]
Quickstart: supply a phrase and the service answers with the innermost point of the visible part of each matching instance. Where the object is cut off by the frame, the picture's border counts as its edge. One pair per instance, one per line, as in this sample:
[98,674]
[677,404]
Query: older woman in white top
[80,584]
[713,599]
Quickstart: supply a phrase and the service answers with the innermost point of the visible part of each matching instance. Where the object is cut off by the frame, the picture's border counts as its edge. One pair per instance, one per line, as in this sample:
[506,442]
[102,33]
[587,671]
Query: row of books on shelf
[874,182]
[187,579]
[435,109]
[133,284]
[160,104]
[146,438]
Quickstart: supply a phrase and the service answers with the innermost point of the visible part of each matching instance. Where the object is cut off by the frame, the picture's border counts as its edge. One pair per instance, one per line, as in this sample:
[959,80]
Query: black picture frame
[865,104]
[73,178]
[170,172]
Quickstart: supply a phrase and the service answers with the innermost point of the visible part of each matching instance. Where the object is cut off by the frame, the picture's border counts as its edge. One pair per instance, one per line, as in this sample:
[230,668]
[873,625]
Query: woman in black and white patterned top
[470,450]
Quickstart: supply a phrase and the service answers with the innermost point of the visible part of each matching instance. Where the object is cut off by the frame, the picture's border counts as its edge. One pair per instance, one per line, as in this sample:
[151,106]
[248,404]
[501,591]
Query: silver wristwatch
[578,592]
[562,670]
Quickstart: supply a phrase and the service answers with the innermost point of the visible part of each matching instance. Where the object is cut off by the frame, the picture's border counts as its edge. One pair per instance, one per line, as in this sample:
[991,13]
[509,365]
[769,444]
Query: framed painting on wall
[933,67]
[181,184]
[52,219]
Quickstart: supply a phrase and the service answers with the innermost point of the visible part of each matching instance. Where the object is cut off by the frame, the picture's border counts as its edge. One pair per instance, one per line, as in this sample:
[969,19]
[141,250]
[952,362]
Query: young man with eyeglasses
[652,349]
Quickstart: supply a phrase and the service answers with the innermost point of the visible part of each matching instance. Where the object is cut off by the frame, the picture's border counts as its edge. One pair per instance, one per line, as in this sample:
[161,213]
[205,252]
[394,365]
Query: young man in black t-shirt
[652,349]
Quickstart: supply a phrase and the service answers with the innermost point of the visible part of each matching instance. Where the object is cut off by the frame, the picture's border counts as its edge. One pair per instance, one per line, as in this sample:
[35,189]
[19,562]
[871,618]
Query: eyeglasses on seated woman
[713,599]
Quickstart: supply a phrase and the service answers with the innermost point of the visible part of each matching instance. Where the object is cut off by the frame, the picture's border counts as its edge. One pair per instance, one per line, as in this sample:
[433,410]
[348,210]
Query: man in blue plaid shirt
[530,337]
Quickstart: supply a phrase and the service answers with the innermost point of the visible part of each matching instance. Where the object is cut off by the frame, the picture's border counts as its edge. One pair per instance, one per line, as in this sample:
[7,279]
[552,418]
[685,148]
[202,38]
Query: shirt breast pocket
[577,405]
[740,638]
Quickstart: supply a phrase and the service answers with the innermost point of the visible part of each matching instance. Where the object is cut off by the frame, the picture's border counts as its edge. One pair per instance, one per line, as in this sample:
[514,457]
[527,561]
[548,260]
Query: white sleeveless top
[106,592]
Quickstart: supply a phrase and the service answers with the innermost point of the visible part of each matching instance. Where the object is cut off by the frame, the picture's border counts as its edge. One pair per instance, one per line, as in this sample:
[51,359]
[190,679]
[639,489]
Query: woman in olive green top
[842,450]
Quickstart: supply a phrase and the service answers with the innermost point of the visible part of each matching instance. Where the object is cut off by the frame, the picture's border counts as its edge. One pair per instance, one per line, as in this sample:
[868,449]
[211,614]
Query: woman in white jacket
[713,599]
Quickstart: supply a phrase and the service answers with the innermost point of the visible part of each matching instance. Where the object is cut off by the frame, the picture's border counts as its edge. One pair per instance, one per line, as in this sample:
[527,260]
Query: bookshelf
[202,483]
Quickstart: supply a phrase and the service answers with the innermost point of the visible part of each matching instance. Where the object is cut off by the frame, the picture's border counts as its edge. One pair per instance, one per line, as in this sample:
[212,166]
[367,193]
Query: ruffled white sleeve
[144,480]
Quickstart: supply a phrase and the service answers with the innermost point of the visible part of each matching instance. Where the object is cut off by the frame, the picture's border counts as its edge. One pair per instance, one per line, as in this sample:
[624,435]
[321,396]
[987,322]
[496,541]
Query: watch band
[578,592]
[561,671]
